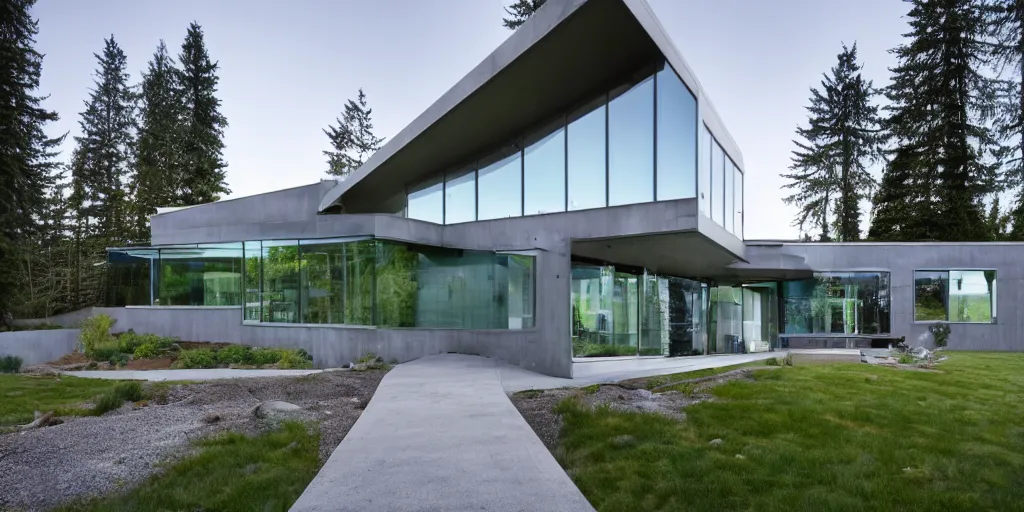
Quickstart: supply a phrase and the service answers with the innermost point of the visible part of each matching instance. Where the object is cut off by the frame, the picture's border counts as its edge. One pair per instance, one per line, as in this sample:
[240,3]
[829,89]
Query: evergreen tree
[202,177]
[830,168]
[352,141]
[938,99]
[1005,22]
[103,162]
[158,178]
[897,196]
[27,165]
[997,223]
[519,12]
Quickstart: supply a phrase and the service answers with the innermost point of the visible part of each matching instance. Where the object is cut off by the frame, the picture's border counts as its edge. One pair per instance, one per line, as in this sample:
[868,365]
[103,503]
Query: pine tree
[896,198]
[202,179]
[997,223]
[27,165]
[938,99]
[830,168]
[158,178]
[519,12]
[352,141]
[103,162]
[1005,23]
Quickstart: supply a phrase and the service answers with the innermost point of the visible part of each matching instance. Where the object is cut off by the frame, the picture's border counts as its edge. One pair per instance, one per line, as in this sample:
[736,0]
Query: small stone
[252,468]
[274,408]
[716,442]
[211,418]
[740,456]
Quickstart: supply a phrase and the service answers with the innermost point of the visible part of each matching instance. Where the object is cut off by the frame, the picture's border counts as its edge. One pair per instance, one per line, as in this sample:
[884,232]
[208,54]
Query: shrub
[294,359]
[115,398]
[234,354]
[772,361]
[10,364]
[95,334]
[199,358]
[147,351]
[941,334]
[369,357]
[265,356]
[788,360]
[905,359]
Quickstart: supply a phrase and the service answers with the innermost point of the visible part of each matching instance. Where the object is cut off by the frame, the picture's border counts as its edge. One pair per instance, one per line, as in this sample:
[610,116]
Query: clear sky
[287,69]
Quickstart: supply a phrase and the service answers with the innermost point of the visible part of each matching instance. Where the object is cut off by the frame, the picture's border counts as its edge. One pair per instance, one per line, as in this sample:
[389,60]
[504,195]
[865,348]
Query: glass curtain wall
[618,311]
[602,153]
[129,277]
[205,275]
[837,303]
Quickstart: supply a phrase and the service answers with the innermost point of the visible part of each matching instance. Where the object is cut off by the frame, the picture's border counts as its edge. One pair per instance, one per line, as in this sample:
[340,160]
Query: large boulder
[275,408]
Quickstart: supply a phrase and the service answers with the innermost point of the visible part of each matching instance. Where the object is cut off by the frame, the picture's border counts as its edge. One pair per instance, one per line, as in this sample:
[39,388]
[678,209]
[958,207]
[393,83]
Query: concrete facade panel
[35,347]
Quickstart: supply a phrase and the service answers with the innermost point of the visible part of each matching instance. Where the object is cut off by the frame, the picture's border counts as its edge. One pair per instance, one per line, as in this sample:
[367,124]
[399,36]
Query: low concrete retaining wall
[35,347]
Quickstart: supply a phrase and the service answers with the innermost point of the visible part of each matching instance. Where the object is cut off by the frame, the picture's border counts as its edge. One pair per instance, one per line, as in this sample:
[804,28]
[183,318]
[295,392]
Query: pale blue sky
[287,69]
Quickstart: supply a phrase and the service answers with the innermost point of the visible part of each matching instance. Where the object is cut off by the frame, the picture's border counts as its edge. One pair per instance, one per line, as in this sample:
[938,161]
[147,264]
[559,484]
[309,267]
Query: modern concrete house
[574,196]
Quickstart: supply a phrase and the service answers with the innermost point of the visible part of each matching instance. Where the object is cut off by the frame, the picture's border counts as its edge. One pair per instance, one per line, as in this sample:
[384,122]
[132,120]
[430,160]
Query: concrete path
[600,371]
[440,434]
[192,375]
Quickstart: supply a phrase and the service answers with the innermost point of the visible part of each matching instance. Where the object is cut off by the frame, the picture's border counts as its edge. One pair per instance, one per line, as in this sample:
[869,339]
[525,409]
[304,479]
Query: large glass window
[252,280]
[426,201]
[677,137]
[730,192]
[631,144]
[967,296]
[837,303]
[280,292]
[460,196]
[544,170]
[520,291]
[207,275]
[717,184]
[704,180]
[500,185]
[129,277]
[337,281]
[738,207]
[586,159]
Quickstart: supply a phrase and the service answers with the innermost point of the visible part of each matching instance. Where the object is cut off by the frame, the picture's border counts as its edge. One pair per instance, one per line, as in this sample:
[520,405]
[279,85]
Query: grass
[231,472]
[817,438]
[21,395]
[661,380]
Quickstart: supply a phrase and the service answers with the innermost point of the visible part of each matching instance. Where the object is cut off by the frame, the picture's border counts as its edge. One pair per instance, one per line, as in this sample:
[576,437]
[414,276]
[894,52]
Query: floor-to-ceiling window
[837,303]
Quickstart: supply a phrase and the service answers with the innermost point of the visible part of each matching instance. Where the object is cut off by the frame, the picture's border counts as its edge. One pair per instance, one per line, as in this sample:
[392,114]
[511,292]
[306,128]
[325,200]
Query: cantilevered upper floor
[588,105]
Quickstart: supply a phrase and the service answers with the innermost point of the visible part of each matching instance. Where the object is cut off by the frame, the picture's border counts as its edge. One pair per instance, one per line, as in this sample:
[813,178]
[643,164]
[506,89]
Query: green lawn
[231,472]
[818,438]
[21,395]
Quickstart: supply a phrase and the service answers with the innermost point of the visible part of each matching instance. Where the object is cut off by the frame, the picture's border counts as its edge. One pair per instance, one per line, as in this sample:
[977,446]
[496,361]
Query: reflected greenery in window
[631,144]
[838,303]
[677,137]
[252,280]
[281,281]
[955,295]
[337,282]
[207,275]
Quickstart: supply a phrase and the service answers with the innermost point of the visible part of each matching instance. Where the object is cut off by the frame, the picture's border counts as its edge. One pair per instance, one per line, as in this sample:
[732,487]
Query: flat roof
[567,53]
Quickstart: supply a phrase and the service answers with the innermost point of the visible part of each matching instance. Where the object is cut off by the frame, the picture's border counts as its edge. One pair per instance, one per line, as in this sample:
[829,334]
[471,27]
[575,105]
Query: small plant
[10,364]
[940,332]
[905,359]
[772,361]
[264,356]
[148,351]
[368,357]
[788,360]
[292,359]
[95,334]
[591,389]
[199,358]
[118,359]
[115,398]
[234,354]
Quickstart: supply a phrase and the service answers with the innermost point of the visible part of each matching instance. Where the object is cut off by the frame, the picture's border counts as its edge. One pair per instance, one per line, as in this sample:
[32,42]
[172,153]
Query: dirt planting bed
[93,456]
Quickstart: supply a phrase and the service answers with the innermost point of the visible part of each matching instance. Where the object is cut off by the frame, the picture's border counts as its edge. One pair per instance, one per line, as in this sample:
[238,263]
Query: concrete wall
[35,347]
[900,260]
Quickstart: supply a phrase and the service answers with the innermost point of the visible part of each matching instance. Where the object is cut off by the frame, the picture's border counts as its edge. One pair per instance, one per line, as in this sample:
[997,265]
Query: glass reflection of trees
[838,303]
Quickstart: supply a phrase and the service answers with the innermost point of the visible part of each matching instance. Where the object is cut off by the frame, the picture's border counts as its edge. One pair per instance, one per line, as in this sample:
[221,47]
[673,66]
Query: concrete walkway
[440,434]
[601,371]
[191,375]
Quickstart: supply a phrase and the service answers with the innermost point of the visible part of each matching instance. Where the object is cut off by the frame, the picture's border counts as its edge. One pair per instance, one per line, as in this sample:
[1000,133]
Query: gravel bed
[94,456]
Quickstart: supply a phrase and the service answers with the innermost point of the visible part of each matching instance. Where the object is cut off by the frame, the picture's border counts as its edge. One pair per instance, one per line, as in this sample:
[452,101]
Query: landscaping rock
[275,408]
[42,420]
[211,418]
[716,442]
